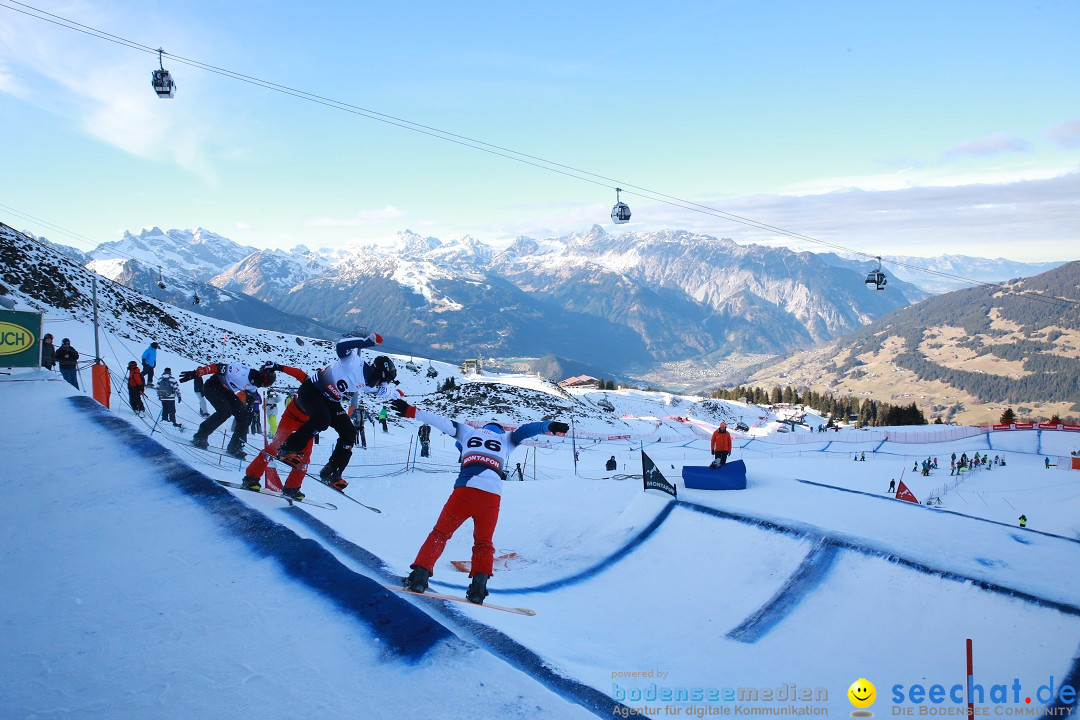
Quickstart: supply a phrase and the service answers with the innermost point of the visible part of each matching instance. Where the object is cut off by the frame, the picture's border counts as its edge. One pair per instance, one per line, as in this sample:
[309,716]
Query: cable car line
[497,150]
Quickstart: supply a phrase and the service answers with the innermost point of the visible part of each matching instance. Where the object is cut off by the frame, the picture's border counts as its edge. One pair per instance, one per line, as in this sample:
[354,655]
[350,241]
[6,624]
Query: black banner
[654,479]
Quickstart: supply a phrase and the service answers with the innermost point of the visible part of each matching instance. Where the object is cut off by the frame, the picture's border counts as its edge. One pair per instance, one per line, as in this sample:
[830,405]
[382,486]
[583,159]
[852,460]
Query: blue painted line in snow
[407,632]
[497,643]
[989,445]
[803,530]
[879,445]
[1062,709]
[748,443]
[827,445]
[939,510]
[631,545]
[811,572]
[1038,442]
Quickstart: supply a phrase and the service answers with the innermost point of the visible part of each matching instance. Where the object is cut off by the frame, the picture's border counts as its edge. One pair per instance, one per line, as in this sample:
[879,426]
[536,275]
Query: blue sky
[911,128]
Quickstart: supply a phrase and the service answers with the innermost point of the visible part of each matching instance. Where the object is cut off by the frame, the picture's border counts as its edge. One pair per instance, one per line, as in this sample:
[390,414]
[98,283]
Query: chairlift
[431,371]
[160,280]
[876,279]
[412,366]
[621,212]
[162,80]
[196,300]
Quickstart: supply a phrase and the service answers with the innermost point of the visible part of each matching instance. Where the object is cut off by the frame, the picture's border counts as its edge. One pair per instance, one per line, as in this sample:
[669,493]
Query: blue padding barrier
[731,476]
[407,632]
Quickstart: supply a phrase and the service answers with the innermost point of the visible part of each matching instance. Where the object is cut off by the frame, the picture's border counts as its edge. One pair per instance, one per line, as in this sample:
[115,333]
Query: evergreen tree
[1008,417]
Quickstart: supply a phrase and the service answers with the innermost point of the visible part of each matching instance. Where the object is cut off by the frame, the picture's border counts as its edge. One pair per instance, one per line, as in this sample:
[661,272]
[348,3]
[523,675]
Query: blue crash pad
[702,477]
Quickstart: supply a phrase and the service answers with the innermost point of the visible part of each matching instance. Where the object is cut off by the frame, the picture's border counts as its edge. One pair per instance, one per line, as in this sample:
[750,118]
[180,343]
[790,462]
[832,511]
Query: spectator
[168,392]
[611,464]
[382,420]
[48,352]
[135,387]
[424,433]
[892,486]
[1023,521]
[273,406]
[67,358]
[256,413]
[149,362]
[721,445]
[202,398]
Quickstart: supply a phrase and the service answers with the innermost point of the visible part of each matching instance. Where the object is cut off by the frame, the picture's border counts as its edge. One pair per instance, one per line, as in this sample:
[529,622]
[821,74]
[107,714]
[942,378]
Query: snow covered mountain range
[615,305]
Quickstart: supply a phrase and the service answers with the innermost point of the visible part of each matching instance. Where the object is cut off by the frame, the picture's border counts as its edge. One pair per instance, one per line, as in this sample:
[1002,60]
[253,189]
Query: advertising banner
[20,339]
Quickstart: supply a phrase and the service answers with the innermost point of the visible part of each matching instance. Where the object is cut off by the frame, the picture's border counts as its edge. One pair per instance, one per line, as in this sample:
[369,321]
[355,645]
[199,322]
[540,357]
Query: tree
[1008,417]
[1055,420]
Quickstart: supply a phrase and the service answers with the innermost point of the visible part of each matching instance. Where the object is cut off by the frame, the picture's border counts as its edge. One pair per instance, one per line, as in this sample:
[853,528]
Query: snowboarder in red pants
[485,454]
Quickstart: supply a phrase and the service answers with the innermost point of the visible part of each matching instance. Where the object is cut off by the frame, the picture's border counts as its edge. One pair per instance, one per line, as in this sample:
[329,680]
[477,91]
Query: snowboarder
[611,464]
[1047,461]
[892,485]
[1023,521]
[424,433]
[721,445]
[48,352]
[67,358]
[224,388]
[168,392]
[149,362]
[136,387]
[485,453]
[318,401]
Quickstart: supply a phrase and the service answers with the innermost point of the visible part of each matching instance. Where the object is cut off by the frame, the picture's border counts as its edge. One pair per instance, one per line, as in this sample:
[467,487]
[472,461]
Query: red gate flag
[902,493]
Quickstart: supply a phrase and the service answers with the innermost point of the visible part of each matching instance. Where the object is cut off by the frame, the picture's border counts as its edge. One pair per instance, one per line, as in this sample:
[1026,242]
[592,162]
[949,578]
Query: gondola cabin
[163,84]
[162,81]
[876,280]
[621,212]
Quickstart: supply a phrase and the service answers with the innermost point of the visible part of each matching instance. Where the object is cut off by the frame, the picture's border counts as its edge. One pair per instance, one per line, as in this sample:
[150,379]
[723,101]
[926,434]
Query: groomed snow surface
[136,587]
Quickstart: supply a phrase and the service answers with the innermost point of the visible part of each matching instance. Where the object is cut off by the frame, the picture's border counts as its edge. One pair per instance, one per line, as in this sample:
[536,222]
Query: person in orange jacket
[136,386]
[721,445]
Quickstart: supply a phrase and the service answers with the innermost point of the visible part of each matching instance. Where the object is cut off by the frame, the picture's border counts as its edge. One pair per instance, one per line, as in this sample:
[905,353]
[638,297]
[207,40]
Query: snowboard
[455,598]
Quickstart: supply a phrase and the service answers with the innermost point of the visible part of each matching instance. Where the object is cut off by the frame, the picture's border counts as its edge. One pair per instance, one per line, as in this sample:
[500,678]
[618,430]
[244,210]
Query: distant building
[581,381]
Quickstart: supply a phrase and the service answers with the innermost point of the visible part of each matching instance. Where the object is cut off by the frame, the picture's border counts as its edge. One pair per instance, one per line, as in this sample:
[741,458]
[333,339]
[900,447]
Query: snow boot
[332,477]
[293,493]
[250,482]
[237,451]
[200,441]
[290,458]
[417,581]
[477,589]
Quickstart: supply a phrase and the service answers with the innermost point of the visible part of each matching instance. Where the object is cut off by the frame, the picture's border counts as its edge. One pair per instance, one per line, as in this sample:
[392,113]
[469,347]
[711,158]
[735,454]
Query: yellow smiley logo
[862,693]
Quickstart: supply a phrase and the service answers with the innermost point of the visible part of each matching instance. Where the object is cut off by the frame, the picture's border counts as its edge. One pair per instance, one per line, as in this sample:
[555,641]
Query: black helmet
[384,369]
[264,376]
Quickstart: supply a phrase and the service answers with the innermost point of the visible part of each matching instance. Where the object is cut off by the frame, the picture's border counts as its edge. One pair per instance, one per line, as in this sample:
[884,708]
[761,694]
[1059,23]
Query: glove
[403,408]
[277,367]
[187,375]
[376,337]
[559,428]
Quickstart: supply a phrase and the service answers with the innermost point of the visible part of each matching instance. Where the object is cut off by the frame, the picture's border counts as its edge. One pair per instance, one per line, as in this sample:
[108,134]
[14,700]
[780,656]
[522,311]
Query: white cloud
[104,91]
[243,226]
[1066,134]
[992,144]
[363,217]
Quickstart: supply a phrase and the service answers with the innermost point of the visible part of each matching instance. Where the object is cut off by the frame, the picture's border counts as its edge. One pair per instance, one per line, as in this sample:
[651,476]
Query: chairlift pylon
[621,212]
[162,81]
[876,279]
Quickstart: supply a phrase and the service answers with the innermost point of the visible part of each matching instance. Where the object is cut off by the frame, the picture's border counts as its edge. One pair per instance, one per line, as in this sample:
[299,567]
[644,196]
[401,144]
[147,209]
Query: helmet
[264,376]
[384,369]
[494,427]
[133,364]
[723,424]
